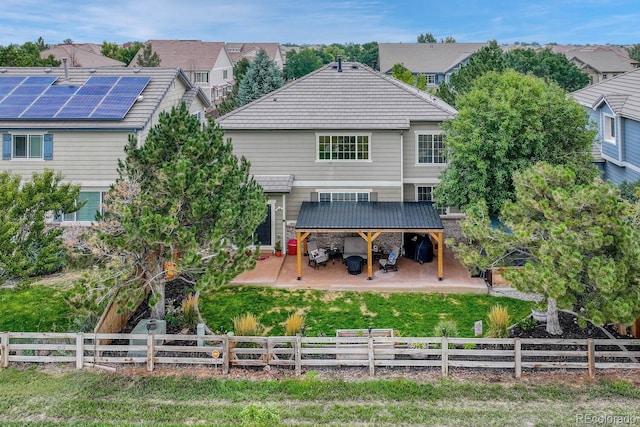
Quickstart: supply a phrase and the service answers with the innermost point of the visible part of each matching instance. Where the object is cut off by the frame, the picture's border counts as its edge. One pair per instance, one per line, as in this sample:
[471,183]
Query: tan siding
[79,156]
[294,152]
[413,173]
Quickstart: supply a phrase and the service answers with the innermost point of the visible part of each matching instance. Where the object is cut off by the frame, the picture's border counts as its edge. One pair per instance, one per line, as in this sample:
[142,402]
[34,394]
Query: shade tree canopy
[506,123]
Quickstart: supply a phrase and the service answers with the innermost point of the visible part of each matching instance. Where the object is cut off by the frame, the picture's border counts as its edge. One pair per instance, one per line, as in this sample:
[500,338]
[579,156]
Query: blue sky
[321,21]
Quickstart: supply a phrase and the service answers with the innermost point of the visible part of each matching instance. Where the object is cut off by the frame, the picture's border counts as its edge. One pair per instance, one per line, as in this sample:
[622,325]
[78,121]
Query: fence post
[445,356]
[517,347]
[150,351]
[4,350]
[591,357]
[226,354]
[298,354]
[79,350]
[372,361]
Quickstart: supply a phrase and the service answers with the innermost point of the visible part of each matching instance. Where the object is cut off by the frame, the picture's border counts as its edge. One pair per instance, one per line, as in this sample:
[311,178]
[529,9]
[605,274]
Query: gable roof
[603,61]
[425,57]
[622,94]
[237,51]
[357,97]
[160,83]
[81,55]
[189,55]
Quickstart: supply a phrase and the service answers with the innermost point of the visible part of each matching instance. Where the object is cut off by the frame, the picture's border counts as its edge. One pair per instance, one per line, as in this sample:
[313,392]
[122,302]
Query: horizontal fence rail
[107,351]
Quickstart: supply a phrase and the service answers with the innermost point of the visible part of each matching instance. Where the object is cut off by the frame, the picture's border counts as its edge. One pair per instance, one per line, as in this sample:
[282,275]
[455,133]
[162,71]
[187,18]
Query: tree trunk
[158,311]
[553,322]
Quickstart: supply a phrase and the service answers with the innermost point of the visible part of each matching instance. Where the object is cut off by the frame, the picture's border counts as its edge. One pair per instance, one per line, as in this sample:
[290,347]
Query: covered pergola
[369,220]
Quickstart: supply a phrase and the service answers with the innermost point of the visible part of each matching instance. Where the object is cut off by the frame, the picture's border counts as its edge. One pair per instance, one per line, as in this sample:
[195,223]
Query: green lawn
[54,306]
[94,398]
[410,314]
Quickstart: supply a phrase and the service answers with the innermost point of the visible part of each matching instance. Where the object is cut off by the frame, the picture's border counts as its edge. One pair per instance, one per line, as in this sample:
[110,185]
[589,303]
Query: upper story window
[201,77]
[27,146]
[431,79]
[343,147]
[343,196]
[609,131]
[225,74]
[430,148]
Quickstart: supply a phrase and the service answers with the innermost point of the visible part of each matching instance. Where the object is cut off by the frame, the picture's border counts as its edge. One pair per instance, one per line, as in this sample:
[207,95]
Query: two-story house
[77,121]
[600,64]
[238,51]
[344,133]
[436,61]
[614,105]
[206,64]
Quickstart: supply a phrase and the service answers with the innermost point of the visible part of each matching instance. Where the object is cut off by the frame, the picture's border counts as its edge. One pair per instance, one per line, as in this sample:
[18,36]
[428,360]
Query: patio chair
[317,255]
[391,261]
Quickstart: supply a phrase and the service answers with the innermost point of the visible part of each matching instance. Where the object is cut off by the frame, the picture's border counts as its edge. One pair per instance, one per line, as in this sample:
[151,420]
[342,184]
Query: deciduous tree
[506,123]
[182,197]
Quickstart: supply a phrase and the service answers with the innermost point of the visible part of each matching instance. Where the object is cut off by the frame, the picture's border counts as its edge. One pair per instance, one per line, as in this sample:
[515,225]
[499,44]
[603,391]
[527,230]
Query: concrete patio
[280,272]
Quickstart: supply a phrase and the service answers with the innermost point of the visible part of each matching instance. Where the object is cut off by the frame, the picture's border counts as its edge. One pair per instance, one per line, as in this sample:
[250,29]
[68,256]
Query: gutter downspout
[401,165]
[284,219]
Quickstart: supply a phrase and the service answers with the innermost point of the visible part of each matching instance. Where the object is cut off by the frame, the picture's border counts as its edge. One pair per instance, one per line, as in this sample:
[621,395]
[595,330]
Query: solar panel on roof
[101,80]
[28,90]
[101,97]
[46,106]
[40,80]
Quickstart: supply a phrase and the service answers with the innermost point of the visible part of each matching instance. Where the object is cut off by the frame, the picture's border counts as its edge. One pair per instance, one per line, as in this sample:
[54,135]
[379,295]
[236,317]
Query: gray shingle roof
[601,60]
[275,183]
[356,98]
[81,55]
[138,116]
[190,55]
[368,216]
[425,57]
[622,93]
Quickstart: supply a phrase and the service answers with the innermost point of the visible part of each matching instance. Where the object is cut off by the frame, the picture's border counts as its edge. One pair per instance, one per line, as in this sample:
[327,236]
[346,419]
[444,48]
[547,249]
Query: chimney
[66,68]
[339,63]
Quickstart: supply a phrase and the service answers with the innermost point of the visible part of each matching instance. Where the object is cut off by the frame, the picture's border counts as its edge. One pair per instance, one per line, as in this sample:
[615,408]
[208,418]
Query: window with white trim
[225,74]
[201,77]
[28,147]
[89,211]
[343,196]
[430,148]
[424,193]
[343,147]
[431,79]
[609,128]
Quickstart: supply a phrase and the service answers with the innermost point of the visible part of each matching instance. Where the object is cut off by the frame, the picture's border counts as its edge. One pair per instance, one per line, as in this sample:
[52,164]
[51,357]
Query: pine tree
[182,197]
[262,78]
[148,58]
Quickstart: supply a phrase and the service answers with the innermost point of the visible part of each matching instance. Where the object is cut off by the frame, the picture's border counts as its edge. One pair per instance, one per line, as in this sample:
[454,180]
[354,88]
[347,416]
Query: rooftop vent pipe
[339,63]
[66,68]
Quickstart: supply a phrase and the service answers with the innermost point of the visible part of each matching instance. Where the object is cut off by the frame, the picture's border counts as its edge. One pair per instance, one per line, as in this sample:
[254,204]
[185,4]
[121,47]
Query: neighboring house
[237,51]
[600,64]
[81,55]
[343,133]
[614,105]
[207,64]
[77,121]
[436,61]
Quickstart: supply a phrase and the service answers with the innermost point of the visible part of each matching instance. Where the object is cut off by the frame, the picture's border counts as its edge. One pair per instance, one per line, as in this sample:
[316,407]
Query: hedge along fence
[225,352]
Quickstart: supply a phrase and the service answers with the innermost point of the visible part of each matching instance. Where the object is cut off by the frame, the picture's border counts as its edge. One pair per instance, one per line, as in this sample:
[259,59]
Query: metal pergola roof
[369,220]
